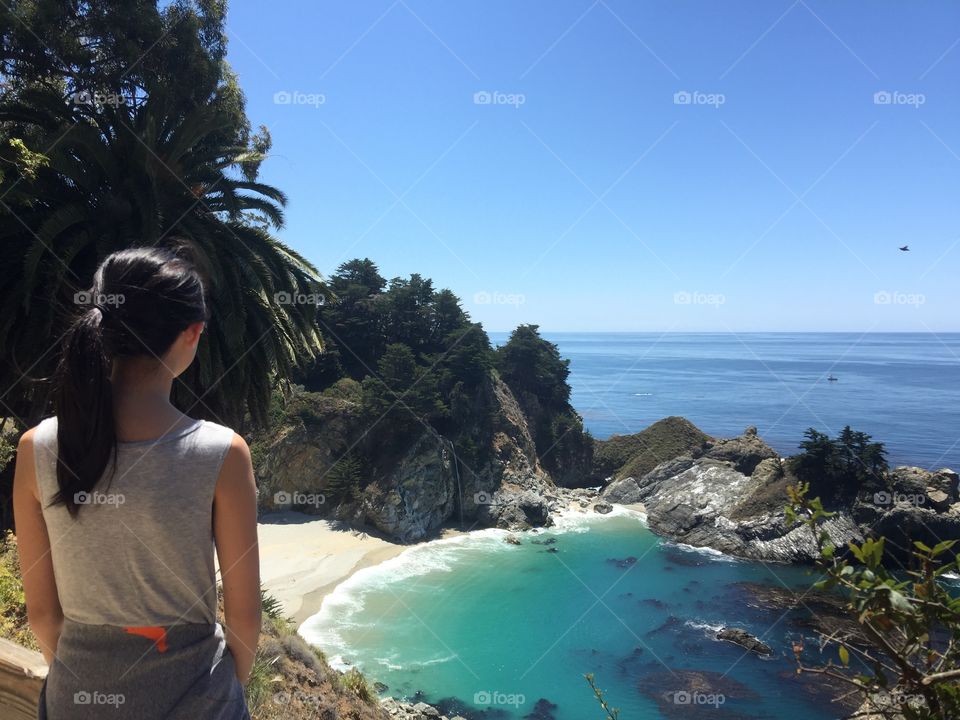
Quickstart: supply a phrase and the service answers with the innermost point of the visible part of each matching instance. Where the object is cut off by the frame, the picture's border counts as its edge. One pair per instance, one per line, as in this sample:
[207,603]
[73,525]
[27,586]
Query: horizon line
[541,329]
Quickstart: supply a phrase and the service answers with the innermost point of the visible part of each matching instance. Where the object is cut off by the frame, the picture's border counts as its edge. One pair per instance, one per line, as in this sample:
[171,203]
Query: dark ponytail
[140,302]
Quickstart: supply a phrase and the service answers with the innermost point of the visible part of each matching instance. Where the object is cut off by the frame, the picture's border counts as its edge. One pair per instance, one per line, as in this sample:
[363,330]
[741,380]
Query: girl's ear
[193,332]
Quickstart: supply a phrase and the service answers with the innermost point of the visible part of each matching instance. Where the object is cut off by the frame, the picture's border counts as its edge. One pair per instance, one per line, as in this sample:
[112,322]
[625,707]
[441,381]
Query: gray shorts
[103,672]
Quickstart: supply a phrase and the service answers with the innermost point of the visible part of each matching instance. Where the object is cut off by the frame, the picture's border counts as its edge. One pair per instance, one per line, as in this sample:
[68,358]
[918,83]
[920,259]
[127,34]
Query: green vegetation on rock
[635,455]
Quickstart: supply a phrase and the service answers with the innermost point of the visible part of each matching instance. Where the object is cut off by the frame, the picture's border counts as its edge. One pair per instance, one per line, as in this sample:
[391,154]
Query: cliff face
[730,494]
[501,483]
[418,495]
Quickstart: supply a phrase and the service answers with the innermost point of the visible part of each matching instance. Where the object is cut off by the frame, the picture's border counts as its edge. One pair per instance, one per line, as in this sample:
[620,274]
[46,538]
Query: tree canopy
[836,468]
[537,375]
[104,145]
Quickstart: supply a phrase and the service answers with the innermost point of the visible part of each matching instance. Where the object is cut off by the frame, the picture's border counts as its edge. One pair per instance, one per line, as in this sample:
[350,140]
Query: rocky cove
[725,494]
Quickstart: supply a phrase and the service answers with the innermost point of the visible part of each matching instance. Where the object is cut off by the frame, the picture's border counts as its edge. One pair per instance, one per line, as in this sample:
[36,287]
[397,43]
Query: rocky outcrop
[413,711]
[730,497]
[744,453]
[917,504]
[623,456]
[697,501]
[745,640]
[509,489]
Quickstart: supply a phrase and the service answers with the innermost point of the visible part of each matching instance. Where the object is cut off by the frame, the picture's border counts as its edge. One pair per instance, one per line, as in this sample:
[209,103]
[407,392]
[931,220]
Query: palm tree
[98,175]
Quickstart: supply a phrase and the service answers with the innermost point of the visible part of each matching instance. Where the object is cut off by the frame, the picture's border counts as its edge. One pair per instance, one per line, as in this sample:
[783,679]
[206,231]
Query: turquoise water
[474,623]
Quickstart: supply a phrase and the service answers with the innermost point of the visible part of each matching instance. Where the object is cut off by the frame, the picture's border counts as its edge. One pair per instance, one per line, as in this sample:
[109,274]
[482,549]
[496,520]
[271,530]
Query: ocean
[493,630]
[901,388]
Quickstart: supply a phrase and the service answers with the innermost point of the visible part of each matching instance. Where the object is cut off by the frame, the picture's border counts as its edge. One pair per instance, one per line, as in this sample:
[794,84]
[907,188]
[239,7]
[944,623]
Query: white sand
[302,558]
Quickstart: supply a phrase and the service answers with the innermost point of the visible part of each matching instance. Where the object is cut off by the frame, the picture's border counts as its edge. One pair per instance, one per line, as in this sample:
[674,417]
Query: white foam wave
[710,552]
[581,521]
[708,628]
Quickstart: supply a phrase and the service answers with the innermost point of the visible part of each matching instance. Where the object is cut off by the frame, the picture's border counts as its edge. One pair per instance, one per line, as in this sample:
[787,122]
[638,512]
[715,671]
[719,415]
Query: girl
[119,502]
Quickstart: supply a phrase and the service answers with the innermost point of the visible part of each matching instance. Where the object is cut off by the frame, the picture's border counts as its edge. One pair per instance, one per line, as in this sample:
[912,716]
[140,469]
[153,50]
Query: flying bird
[905,248]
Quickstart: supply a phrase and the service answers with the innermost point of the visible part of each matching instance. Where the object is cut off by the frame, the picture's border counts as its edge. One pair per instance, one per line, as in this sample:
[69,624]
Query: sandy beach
[302,558]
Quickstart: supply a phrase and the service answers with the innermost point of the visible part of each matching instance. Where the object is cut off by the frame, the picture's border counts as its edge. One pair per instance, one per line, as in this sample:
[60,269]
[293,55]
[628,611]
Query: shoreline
[304,558]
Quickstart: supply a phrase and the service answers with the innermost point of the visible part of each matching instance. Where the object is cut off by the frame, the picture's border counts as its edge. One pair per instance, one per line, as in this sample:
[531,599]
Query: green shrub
[354,681]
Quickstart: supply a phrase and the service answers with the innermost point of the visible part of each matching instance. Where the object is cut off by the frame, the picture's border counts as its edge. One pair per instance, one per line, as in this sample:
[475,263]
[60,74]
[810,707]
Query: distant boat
[831,378]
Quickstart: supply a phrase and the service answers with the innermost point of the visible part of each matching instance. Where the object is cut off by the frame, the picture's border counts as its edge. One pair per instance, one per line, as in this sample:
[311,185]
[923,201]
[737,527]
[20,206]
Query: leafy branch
[611,713]
[907,652]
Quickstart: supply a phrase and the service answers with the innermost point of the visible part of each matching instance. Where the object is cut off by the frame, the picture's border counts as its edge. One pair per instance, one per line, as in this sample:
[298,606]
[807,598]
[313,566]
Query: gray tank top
[140,552]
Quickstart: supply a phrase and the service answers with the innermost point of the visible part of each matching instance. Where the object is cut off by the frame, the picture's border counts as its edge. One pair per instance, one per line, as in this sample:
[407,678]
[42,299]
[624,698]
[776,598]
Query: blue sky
[536,157]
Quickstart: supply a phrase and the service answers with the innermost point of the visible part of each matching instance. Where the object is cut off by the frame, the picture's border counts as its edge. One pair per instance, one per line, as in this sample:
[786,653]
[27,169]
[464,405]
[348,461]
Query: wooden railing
[21,676]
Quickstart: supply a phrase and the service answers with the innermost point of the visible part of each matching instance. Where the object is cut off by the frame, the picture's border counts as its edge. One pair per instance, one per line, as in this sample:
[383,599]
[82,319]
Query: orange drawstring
[157,634]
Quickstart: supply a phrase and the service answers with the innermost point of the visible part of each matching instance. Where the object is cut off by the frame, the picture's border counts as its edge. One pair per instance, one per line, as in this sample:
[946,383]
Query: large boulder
[744,452]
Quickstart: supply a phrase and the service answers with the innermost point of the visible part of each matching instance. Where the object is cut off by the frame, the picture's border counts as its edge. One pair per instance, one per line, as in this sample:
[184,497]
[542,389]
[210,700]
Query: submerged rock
[681,694]
[745,640]
[542,710]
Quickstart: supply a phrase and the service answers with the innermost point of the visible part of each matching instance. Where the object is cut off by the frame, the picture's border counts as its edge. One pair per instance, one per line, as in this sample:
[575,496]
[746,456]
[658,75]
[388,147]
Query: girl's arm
[36,566]
[235,533]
